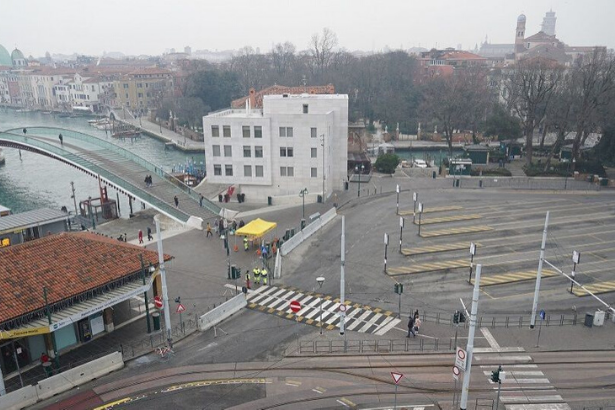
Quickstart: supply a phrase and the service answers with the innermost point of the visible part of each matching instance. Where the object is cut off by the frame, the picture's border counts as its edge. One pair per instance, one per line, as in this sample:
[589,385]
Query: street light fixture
[320,281]
[302,194]
[359,170]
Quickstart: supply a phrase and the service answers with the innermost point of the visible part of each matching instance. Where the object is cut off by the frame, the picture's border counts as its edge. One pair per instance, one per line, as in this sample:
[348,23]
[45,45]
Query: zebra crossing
[359,318]
[443,219]
[456,231]
[428,210]
[513,277]
[437,248]
[526,387]
[428,267]
[595,288]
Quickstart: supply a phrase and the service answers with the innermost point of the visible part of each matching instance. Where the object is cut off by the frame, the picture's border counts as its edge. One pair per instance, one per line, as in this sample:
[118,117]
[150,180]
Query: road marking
[498,350]
[293,383]
[437,248]
[319,390]
[596,287]
[504,358]
[490,339]
[544,406]
[444,219]
[428,267]
[212,344]
[512,277]
[428,210]
[456,231]
[346,403]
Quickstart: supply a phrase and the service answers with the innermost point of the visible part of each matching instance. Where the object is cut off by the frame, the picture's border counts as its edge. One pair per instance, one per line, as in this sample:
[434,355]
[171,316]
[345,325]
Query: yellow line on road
[456,231]
[596,287]
[437,248]
[454,218]
[513,277]
[428,210]
[428,267]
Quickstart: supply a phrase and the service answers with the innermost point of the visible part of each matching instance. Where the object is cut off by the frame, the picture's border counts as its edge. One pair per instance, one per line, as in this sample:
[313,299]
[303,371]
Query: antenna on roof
[304,82]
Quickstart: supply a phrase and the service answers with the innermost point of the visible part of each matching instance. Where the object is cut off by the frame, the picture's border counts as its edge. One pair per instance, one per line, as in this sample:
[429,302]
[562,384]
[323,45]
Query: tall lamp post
[302,194]
[320,281]
[322,143]
[359,170]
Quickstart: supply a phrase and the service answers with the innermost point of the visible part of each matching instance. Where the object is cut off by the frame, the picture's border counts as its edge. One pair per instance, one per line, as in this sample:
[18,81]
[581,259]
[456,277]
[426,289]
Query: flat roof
[31,218]
[307,96]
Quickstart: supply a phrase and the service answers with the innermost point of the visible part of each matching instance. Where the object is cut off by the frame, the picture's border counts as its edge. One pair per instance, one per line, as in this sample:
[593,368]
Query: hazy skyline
[136,27]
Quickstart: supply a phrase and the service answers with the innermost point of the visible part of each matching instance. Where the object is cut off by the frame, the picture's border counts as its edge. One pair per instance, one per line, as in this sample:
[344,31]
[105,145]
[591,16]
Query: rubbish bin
[320,199]
[287,235]
[589,320]
[243,197]
[480,183]
[599,318]
[433,174]
[156,319]
[345,185]
[269,201]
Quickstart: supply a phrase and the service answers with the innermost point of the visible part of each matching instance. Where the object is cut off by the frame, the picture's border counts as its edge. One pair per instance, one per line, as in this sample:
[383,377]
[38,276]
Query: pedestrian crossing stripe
[513,277]
[454,218]
[360,318]
[428,267]
[456,231]
[596,287]
[437,248]
[427,210]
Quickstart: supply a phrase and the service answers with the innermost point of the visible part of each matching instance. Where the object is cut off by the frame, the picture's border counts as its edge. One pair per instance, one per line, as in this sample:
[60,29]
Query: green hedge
[563,169]
[493,172]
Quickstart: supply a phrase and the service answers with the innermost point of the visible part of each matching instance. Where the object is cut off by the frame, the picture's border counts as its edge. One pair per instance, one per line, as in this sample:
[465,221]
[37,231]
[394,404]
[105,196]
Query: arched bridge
[117,168]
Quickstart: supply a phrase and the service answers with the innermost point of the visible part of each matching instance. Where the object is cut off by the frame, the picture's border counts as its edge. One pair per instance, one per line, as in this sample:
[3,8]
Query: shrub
[386,163]
[491,172]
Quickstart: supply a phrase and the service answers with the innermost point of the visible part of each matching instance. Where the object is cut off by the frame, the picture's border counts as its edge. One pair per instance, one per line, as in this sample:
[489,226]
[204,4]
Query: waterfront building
[142,88]
[27,226]
[294,141]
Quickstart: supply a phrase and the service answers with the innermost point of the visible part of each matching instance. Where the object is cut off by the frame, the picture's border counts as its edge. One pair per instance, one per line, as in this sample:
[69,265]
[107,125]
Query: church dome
[5,57]
[17,55]
[521,18]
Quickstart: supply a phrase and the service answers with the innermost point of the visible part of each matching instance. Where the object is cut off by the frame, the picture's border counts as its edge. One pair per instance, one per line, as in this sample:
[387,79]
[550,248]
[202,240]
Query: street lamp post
[302,194]
[322,143]
[359,170]
[163,280]
[320,281]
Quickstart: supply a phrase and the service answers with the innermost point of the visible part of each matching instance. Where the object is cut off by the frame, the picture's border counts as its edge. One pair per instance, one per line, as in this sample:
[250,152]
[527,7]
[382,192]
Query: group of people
[414,324]
[148,181]
[149,235]
[260,275]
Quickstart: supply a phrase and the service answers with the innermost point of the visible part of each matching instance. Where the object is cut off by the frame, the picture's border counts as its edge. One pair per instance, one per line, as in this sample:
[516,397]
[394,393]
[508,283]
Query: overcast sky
[151,26]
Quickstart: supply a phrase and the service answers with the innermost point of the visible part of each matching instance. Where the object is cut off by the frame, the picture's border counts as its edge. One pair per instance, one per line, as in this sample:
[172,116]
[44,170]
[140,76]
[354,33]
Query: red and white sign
[460,359]
[180,308]
[158,302]
[456,372]
[396,377]
[295,306]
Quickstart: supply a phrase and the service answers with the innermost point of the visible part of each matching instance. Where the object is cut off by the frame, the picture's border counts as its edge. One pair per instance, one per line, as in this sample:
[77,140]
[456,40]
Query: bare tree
[321,50]
[529,88]
[559,115]
[282,57]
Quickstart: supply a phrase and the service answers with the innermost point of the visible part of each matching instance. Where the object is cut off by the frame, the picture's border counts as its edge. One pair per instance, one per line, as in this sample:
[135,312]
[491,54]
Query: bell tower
[520,34]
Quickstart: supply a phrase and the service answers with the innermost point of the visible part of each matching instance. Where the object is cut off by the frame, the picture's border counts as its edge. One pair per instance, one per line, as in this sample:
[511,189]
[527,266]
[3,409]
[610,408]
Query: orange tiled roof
[461,55]
[257,97]
[67,264]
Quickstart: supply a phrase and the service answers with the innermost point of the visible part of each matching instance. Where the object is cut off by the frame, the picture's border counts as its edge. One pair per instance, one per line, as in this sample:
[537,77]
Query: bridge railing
[53,131]
[105,174]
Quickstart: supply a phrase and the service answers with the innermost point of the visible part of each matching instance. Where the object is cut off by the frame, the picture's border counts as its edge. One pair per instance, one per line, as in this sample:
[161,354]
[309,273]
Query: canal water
[30,181]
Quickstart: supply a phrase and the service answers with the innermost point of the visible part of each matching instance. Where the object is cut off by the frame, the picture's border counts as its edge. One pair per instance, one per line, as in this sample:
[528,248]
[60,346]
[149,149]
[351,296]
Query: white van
[419,163]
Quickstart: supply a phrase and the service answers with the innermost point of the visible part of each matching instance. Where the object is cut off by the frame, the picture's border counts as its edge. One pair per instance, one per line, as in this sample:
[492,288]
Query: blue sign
[542,315]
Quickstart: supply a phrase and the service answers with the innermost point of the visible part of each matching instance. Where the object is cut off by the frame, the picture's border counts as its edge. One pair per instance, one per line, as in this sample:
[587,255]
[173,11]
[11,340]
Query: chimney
[251,98]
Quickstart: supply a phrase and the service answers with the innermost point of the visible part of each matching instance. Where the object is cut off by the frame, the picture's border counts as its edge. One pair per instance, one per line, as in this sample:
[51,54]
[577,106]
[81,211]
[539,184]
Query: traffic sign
[456,372]
[158,302]
[295,306]
[460,359]
[396,377]
[180,308]
[342,308]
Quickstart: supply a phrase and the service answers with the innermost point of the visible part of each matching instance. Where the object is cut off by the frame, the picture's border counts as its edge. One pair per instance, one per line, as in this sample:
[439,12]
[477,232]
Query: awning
[79,311]
[257,227]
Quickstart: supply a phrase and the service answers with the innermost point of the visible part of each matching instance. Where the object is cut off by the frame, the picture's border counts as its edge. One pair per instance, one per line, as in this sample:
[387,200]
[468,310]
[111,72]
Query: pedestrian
[25,131]
[201,200]
[208,231]
[140,236]
[146,182]
[46,363]
[245,243]
[234,225]
[221,226]
[257,276]
[149,234]
[248,278]
[417,322]
[411,326]
[176,200]
[61,139]
[241,224]
[264,251]
[264,276]
[125,237]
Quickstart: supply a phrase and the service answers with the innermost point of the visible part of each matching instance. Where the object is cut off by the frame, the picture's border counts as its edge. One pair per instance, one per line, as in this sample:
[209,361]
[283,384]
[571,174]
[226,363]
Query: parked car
[419,163]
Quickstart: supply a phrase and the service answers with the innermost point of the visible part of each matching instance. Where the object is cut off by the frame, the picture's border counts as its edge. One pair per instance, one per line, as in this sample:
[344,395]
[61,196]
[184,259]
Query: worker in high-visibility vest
[245,243]
[257,276]
[264,275]
[248,278]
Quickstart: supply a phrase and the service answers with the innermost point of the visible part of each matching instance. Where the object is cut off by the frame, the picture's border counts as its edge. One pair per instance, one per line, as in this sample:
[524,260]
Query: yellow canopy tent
[256,228]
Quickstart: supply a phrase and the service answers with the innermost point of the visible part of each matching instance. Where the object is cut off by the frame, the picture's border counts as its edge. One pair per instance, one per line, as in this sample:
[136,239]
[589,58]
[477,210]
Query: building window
[305,108]
[313,132]
[228,170]
[287,172]
[228,151]
[247,151]
[215,131]
[125,85]
[140,95]
[217,169]
[314,172]
[258,151]
[247,170]
[139,85]
[314,152]
[258,131]
[286,151]
[215,150]
[259,171]
[286,132]
[226,131]
[246,131]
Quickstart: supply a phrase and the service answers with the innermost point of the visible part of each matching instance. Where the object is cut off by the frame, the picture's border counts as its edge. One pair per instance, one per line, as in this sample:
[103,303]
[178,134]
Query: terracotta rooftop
[257,97]
[461,55]
[67,264]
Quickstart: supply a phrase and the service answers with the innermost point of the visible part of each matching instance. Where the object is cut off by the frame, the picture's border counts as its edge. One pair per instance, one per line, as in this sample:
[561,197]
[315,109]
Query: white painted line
[490,339]
[312,314]
[544,406]
[518,373]
[212,344]
[526,381]
[500,350]
[342,403]
[388,327]
[555,397]
[504,358]
[386,320]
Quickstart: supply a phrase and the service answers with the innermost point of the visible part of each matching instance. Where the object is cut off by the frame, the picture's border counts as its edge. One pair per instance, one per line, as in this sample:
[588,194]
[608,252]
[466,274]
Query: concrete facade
[292,129]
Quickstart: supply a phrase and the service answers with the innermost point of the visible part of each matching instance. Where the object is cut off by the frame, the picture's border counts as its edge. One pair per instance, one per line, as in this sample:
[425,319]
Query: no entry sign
[295,306]
[158,302]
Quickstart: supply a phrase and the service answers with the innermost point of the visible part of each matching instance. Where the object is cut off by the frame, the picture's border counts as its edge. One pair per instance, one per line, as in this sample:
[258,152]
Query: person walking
[417,322]
[140,236]
[208,231]
[248,278]
[264,276]
[149,234]
[246,245]
[411,326]
[201,200]
[61,139]
[176,200]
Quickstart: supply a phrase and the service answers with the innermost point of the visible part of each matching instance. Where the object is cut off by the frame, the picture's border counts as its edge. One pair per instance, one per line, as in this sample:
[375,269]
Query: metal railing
[375,346]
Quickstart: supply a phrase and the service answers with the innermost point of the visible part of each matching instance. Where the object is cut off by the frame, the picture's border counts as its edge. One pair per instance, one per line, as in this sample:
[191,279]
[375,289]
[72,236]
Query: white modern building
[295,141]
